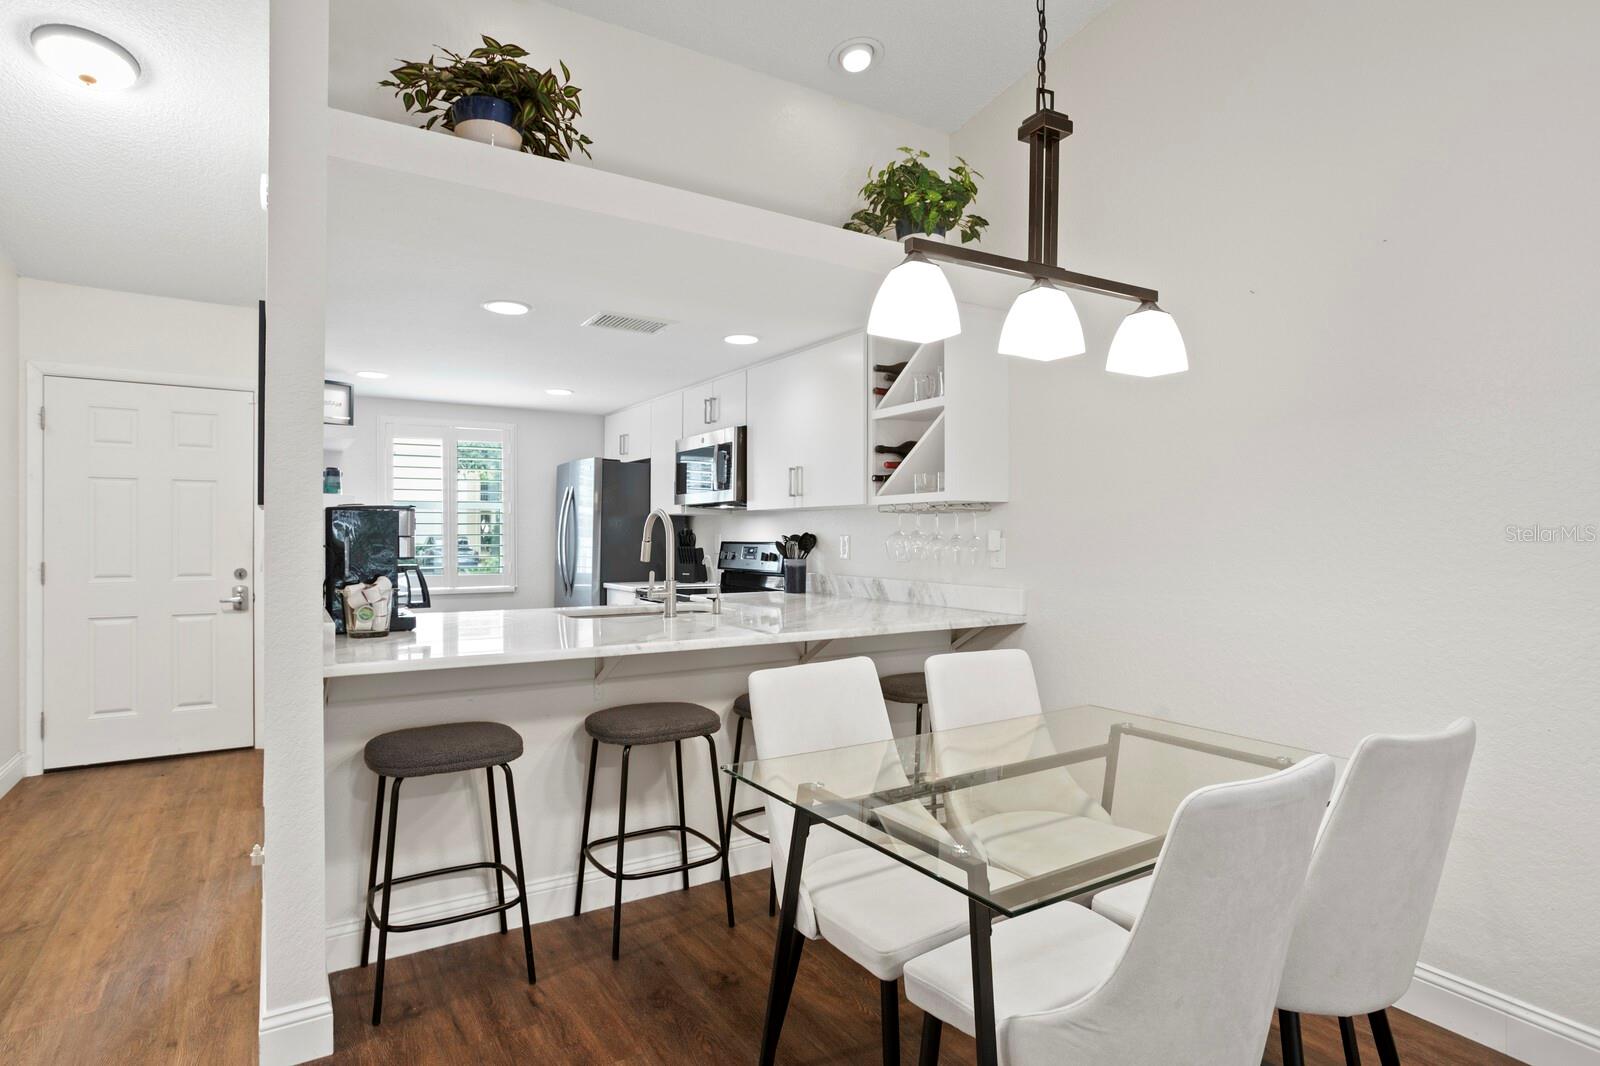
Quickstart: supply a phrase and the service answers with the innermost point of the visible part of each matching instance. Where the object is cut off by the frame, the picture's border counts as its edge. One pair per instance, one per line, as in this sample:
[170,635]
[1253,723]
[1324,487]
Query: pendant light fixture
[915,302]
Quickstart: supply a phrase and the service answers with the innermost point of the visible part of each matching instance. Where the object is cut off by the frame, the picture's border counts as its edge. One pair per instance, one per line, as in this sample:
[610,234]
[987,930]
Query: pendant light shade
[915,304]
[1148,345]
[1042,324]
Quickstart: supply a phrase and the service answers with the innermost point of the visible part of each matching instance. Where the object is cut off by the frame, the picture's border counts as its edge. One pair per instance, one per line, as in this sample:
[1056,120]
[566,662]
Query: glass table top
[1016,814]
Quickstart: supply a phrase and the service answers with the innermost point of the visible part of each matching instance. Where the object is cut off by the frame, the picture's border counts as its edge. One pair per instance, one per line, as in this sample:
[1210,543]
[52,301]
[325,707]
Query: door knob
[240,599]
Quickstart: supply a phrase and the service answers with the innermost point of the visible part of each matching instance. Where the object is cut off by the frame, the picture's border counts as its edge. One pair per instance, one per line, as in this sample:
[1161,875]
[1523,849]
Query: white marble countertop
[454,639]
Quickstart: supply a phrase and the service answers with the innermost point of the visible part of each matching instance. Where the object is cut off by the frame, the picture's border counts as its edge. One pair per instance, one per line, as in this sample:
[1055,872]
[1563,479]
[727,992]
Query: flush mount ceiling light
[558,392]
[506,307]
[915,303]
[856,54]
[371,375]
[741,338]
[84,56]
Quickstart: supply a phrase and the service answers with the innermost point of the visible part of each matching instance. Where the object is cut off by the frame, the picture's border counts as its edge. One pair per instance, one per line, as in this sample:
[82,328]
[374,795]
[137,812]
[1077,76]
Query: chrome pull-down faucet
[669,607]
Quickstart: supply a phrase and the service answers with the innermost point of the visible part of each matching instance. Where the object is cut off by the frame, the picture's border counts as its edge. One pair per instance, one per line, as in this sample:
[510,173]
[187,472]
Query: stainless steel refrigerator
[601,505]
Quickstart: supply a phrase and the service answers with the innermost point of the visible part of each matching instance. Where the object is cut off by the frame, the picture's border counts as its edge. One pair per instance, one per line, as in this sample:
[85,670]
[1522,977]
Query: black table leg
[786,951]
[724,830]
[981,919]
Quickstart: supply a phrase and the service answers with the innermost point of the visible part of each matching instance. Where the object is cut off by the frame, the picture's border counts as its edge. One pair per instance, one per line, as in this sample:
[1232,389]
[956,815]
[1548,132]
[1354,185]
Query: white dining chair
[1193,983]
[875,910]
[1370,891]
[1029,825]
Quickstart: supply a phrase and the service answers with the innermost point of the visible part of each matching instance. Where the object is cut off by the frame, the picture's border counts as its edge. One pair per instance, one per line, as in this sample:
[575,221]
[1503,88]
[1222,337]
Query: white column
[296,1011]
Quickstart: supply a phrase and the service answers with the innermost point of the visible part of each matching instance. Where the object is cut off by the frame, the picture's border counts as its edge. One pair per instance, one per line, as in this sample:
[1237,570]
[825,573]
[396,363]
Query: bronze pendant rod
[1024,268]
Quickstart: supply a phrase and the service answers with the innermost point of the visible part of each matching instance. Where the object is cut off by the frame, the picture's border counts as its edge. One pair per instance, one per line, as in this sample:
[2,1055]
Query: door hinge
[41,573]
[41,417]
[41,725]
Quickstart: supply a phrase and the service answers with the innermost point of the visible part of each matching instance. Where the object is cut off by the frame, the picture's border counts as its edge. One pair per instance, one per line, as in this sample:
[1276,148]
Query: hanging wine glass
[975,544]
[935,545]
[954,544]
[896,545]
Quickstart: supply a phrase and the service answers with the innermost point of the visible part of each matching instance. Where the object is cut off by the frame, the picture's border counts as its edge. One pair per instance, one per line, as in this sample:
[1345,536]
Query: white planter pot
[488,131]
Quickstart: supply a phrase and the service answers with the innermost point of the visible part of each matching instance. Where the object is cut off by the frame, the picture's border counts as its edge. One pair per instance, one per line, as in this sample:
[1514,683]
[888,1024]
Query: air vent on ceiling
[626,323]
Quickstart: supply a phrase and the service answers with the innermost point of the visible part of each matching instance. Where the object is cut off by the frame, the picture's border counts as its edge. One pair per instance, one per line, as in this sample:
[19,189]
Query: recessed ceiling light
[506,307]
[856,54]
[740,338]
[371,375]
[558,392]
[85,56]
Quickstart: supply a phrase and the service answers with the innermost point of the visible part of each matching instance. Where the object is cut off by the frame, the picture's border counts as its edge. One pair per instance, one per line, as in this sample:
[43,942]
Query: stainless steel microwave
[710,469]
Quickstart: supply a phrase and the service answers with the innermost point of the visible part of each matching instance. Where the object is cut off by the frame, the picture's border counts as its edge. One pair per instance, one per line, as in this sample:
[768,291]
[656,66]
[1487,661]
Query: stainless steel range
[750,566]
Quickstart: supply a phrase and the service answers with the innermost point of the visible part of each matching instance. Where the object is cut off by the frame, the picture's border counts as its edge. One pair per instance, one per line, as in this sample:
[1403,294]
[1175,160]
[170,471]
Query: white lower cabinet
[807,417]
[666,429]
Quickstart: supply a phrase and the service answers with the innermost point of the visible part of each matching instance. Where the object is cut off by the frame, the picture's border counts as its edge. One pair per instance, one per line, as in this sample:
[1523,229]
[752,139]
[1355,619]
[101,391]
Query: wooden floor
[129,918]
[129,913]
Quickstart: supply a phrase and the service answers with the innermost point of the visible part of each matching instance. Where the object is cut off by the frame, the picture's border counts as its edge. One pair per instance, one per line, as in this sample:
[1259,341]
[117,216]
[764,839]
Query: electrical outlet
[844,546]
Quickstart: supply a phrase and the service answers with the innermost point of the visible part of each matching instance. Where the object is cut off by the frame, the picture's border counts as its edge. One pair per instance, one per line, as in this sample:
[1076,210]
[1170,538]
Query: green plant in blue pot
[910,197]
[490,95]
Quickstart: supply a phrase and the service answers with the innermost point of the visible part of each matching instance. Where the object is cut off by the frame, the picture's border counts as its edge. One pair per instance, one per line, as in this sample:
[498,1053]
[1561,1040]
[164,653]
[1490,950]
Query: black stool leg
[622,839]
[889,1011]
[1387,1053]
[772,894]
[733,782]
[1294,1053]
[683,819]
[494,831]
[522,879]
[1347,1036]
[372,872]
[932,1030]
[724,829]
[583,842]
[388,893]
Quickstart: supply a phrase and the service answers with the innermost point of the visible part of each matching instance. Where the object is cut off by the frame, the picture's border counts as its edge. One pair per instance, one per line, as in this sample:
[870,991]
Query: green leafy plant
[908,190]
[546,105]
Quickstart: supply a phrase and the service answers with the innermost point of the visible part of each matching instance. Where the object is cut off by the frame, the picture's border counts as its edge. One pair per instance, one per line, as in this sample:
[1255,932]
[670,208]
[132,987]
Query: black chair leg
[683,819]
[1387,1053]
[772,894]
[1347,1036]
[522,878]
[583,842]
[1294,1052]
[372,873]
[494,835]
[723,828]
[622,840]
[889,1010]
[932,1030]
[388,893]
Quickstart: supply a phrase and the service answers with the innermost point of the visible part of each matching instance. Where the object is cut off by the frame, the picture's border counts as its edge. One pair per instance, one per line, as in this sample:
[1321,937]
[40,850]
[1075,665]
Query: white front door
[148,509]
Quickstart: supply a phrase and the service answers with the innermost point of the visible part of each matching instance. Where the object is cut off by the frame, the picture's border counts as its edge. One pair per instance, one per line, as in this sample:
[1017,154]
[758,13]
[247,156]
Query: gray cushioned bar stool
[907,688]
[741,715]
[422,752]
[634,725]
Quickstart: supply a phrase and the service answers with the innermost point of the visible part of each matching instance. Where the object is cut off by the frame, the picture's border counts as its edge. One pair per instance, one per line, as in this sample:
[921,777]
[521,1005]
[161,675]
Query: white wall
[1376,225]
[655,111]
[130,331]
[543,440]
[11,763]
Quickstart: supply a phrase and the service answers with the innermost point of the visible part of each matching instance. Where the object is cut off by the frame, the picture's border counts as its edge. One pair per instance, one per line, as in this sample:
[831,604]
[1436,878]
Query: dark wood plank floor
[130,913]
[129,932]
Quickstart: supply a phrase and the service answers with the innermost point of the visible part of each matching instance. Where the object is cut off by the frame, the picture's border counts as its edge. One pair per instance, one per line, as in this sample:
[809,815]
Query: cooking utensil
[808,541]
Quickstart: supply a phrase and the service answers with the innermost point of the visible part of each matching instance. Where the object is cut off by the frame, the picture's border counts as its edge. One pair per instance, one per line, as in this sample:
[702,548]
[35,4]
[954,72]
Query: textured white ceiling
[942,61]
[155,189]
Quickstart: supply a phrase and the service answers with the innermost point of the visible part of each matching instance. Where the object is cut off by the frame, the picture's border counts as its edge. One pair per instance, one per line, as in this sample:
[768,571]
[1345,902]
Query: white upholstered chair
[1193,983]
[1047,820]
[1370,889]
[875,910]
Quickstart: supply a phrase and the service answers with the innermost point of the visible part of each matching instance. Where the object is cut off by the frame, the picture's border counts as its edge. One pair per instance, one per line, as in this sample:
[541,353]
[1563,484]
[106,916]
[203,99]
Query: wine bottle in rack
[902,450]
[889,370]
[880,478]
[880,391]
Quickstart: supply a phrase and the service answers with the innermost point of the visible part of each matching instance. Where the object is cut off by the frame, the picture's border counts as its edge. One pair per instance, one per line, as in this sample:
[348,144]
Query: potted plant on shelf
[912,198]
[489,95]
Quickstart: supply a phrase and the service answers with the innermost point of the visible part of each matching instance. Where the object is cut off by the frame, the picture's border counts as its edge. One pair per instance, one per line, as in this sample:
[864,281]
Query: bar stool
[422,752]
[907,688]
[634,725]
[741,715]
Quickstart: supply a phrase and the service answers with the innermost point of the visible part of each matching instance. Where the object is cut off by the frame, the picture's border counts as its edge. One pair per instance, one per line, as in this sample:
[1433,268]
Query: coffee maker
[362,541]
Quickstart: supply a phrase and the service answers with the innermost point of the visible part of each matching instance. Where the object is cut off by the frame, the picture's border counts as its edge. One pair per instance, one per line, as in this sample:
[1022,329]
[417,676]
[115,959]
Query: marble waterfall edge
[930,593]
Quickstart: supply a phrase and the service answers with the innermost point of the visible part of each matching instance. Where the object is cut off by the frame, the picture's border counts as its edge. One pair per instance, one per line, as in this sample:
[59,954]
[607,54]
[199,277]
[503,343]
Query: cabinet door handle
[800,480]
[705,411]
[791,482]
[716,408]
[622,444]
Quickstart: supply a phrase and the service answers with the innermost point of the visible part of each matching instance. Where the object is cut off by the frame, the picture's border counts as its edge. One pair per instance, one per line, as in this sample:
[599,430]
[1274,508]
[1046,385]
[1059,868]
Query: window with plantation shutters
[459,480]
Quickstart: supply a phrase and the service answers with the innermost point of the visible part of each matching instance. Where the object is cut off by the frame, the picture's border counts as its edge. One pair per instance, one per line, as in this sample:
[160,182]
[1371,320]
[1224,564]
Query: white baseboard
[12,770]
[548,898]
[1527,1033]
[300,1033]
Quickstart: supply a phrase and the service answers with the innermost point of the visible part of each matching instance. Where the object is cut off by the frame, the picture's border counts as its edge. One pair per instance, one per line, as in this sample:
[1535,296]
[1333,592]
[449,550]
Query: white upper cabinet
[807,417]
[628,433]
[666,428]
[714,404]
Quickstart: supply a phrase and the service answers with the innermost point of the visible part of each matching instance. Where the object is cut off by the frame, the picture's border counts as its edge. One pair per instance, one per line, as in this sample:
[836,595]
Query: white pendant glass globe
[914,304]
[1148,345]
[1042,324]
[85,56]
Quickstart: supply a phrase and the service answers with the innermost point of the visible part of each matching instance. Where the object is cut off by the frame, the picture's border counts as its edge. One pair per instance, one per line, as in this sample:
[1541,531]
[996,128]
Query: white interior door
[148,500]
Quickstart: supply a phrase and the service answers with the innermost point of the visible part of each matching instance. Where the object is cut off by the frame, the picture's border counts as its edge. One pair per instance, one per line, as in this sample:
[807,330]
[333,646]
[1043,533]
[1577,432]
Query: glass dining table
[1014,815]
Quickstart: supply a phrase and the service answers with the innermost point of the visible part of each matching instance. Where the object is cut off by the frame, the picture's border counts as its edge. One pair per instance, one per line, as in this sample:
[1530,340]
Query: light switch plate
[997,550]
[844,546]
